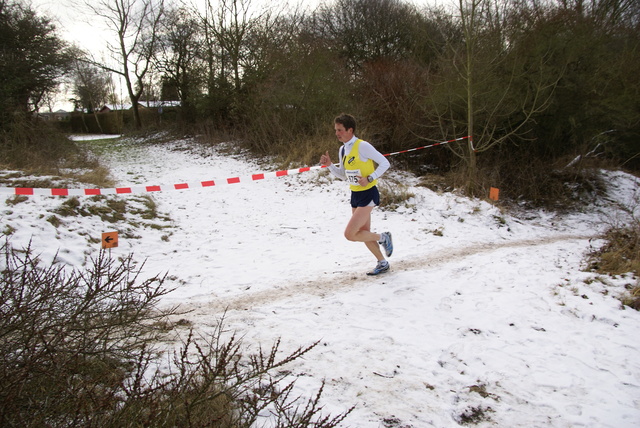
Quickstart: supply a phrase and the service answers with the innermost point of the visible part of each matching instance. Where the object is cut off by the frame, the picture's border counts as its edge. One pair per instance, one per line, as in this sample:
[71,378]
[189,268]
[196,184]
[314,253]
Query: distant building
[159,104]
[144,104]
[58,115]
[113,107]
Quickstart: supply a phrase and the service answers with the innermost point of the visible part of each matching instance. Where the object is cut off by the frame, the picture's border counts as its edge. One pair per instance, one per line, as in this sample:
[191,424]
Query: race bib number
[353,176]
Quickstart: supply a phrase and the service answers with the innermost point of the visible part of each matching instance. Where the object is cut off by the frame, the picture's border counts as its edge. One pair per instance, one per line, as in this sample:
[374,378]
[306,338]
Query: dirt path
[334,283]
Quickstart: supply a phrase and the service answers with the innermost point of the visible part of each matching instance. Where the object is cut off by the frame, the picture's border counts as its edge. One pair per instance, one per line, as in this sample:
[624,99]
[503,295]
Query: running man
[358,160]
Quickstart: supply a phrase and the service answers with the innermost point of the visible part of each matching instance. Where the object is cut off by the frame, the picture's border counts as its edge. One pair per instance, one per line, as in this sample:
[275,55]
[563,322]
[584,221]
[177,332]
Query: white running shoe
[381,267]
[386,242]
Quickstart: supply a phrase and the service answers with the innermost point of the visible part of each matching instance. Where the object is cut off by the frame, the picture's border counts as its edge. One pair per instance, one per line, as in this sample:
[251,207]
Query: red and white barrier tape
[148,189]
[429,146]
[180,186]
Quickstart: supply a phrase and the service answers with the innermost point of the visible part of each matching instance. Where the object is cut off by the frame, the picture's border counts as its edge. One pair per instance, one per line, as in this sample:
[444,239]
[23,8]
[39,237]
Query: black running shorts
[365,197]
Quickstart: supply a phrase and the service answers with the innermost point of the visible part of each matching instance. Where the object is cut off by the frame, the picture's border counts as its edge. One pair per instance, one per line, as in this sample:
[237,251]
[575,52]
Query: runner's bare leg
[359,230]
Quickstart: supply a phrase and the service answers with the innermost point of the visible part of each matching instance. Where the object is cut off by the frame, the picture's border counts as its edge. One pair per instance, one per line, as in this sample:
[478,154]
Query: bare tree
[135,24]
[179,60]
[494,91]
[227,26]
[367,30]
[92,85]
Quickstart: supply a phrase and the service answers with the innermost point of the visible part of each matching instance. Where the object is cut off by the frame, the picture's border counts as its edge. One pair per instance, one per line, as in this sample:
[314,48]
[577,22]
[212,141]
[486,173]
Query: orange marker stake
[109,239]
[494,194]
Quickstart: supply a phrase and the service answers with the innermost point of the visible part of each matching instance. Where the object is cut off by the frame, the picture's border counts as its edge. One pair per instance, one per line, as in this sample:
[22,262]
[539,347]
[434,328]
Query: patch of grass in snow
[632,299]
[394,422]
[105,146]
[435,232]
[394,194]
[473,415]
[111,209]
[16,199]
[620,255]
[89,172]
[148,209]
[436,183]
[98,176]
[500,221]
[28,181]
[8,230]
[108,209]
[54,220]
[481,390]
[621,252]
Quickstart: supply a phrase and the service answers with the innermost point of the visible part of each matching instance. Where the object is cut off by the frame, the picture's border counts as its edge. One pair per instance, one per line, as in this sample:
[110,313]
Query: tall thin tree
[492,80]
[135,23]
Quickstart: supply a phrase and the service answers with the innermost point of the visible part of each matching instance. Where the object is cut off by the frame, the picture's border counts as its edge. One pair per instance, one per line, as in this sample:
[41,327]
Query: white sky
[77,26]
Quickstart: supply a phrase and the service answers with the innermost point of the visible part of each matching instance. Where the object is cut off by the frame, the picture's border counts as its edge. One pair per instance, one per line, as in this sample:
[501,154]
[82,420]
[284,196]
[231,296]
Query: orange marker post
[109,240]
[494,194]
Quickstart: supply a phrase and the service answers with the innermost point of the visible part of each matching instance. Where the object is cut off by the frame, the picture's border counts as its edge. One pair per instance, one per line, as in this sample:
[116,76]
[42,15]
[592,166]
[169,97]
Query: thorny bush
[81,348]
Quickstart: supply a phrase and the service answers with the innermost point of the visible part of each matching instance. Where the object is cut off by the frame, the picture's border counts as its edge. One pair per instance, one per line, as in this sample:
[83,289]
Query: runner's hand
[325,159]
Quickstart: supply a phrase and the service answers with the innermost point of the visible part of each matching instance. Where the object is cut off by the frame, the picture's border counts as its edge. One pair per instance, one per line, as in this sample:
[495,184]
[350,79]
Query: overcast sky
[79,27]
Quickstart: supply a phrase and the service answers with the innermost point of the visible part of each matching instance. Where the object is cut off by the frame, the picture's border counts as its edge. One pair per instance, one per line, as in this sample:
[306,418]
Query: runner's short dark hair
[346,120]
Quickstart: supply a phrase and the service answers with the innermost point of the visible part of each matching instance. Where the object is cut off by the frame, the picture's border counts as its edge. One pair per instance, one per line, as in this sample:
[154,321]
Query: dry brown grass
[632,299]
[394,194]
[620,255]
[36,148]
[98,176]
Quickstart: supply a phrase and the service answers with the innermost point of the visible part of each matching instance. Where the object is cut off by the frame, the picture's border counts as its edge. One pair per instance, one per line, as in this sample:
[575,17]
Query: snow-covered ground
[483,315]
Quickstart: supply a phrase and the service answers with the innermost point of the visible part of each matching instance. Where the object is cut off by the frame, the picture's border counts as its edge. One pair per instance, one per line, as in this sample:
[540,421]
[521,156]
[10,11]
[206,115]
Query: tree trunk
[136,114]
[472,169]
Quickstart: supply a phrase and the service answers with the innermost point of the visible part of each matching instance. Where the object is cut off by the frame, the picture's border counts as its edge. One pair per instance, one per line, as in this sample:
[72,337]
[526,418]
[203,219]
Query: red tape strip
[181,186]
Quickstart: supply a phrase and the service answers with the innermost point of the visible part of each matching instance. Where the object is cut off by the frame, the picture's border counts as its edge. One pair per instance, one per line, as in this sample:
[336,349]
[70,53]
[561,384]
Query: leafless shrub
[81,348]
[68,340]
[214,383]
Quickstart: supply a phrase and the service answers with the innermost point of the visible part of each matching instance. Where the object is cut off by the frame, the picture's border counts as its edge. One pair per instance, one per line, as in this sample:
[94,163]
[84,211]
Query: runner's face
[342,134]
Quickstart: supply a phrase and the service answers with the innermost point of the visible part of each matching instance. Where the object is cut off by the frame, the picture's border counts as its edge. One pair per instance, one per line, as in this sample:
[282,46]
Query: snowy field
[483,316]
